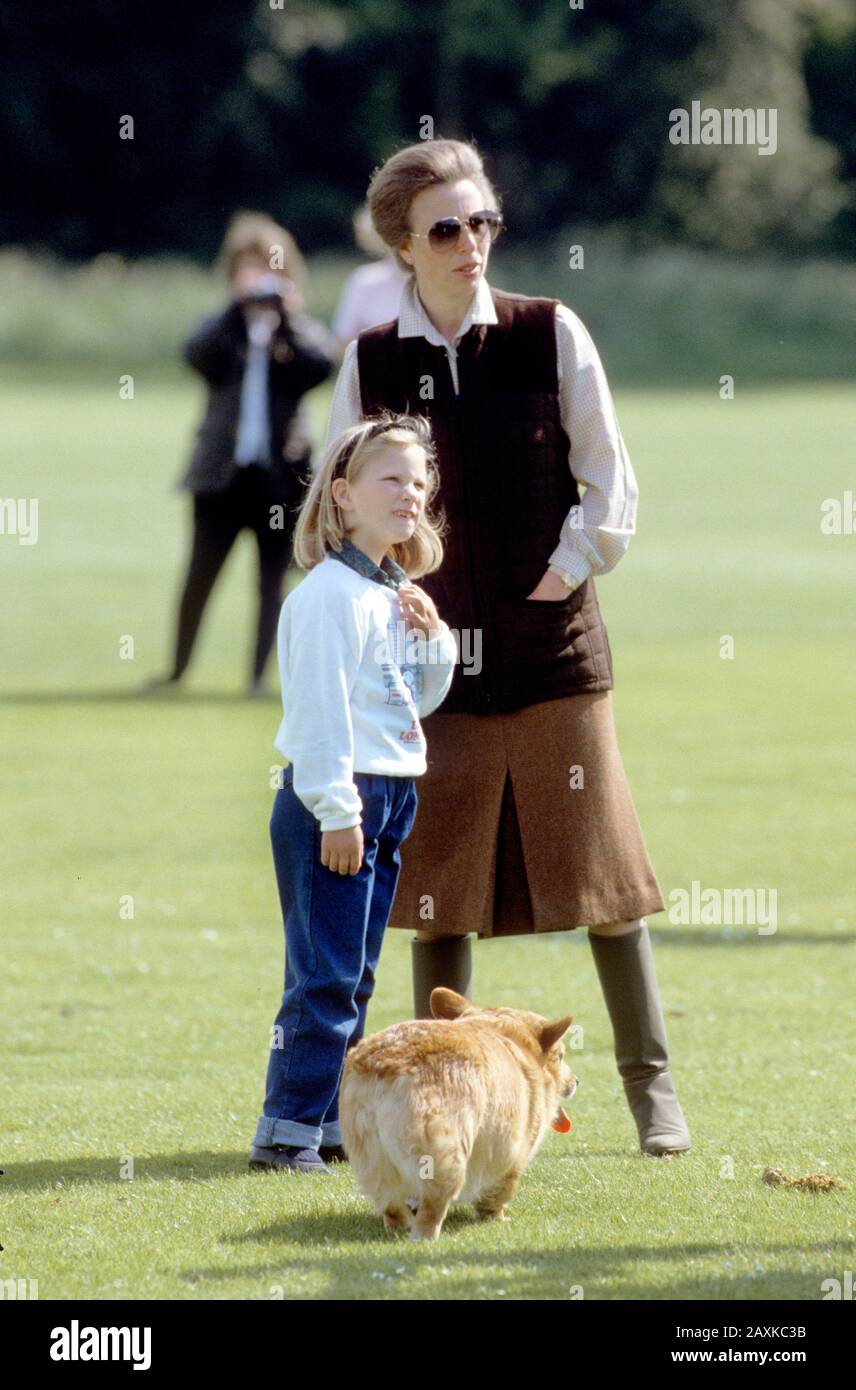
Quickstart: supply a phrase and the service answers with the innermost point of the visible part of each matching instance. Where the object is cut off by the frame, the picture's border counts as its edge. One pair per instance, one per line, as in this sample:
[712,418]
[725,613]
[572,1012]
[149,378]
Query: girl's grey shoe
[290,1157]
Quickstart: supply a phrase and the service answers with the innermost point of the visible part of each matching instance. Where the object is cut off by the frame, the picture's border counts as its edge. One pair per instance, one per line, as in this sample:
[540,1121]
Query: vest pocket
[547,602]
[541,646]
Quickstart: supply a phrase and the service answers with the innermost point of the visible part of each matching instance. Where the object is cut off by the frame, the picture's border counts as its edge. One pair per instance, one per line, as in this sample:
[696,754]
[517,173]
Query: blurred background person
[259,358]
[372,292]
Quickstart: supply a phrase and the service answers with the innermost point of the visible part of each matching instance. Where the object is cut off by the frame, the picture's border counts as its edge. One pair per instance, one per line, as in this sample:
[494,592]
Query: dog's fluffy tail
[401,1142]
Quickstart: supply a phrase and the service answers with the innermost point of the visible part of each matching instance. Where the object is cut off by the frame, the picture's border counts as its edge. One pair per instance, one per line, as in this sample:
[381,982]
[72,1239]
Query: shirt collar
[387,573]
[413,321]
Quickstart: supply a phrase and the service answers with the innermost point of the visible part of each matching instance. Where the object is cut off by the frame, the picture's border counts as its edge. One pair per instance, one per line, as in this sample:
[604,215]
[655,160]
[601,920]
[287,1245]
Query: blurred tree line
[288,105]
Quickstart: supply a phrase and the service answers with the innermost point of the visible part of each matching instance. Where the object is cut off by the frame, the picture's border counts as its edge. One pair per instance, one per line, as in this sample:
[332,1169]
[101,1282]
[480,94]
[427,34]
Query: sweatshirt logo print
[404,683]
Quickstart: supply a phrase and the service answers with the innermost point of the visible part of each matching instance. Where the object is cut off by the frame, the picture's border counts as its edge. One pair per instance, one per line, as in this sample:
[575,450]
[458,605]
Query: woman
[526,822]
[258,358]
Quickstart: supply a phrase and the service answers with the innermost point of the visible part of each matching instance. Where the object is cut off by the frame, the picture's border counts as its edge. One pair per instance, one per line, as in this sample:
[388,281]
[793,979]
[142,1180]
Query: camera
[268,290]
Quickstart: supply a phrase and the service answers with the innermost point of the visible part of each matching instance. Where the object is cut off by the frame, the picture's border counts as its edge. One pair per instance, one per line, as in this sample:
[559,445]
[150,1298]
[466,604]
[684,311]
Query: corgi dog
[451,1108]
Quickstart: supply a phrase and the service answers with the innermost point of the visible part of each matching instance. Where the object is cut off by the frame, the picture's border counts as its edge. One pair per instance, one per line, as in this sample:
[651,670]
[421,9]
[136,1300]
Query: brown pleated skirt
[525,824]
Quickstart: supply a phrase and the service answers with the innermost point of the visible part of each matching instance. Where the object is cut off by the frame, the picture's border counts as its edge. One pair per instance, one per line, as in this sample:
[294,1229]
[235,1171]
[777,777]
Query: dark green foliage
[290,109]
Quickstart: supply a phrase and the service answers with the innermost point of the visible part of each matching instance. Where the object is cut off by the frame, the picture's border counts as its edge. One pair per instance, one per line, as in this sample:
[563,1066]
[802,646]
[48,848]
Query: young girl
[362,654]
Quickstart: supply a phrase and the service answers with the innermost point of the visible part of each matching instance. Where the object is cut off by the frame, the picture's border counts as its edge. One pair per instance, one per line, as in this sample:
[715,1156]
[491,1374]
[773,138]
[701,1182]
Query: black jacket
[301,357]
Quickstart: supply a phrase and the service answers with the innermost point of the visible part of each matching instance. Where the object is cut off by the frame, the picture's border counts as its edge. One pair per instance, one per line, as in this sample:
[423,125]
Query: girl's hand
[418,610]
[342,850]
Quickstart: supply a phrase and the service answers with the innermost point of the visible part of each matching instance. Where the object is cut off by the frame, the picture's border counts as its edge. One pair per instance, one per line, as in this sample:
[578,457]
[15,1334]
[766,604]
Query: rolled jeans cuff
[331,1133]
[272,1131]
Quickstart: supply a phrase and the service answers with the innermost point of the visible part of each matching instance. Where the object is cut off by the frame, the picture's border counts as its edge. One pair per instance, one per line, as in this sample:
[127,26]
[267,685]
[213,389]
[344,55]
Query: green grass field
[144,1040]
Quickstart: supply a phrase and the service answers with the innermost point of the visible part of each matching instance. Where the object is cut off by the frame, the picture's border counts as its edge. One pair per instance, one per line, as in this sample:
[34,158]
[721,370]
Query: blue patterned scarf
[388,572]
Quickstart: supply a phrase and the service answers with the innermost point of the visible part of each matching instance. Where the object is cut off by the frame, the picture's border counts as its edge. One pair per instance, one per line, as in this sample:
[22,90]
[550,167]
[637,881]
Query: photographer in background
[253,449]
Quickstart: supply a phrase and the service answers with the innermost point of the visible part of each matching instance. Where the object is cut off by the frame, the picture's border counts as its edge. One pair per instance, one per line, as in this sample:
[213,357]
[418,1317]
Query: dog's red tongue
[561,1123]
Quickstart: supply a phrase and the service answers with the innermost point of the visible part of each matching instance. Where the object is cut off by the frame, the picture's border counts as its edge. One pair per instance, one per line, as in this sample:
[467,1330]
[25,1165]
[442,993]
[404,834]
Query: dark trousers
[218,517]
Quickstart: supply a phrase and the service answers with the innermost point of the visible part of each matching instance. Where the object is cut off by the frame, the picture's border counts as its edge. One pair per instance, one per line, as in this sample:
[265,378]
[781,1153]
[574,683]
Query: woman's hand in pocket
[342,850]
[550,586]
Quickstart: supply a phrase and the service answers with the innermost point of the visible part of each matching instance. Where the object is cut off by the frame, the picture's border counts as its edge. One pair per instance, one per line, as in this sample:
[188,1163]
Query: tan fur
[451,1109]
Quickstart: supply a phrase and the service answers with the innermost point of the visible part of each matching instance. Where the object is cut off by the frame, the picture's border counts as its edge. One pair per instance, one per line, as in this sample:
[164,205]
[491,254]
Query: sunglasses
[446,233]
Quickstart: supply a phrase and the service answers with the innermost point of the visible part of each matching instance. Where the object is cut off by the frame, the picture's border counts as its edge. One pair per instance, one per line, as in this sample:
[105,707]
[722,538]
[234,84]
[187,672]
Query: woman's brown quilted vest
[506,488]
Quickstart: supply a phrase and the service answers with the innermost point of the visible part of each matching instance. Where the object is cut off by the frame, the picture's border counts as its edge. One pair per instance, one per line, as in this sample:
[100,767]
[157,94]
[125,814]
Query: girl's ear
[339,491]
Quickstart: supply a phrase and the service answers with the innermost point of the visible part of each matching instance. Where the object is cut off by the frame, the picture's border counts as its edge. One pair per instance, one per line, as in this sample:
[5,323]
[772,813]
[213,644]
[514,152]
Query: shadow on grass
[535,1273]
[183,1167]
[380,1259]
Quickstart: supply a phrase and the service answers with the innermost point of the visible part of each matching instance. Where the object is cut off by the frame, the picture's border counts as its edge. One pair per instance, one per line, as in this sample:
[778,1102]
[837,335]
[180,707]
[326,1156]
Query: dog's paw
[491,1213]
[395,1219]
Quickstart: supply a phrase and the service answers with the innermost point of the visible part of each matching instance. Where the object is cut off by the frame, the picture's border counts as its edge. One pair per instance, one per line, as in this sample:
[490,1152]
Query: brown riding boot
[447,962]
[625,966]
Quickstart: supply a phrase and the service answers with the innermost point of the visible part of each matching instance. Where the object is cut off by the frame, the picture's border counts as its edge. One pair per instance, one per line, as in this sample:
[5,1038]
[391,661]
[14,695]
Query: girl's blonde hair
[396,183]
[320,527]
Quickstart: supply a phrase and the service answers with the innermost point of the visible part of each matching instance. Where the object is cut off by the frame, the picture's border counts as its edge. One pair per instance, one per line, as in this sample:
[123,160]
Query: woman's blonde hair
[320,525]
[396,183]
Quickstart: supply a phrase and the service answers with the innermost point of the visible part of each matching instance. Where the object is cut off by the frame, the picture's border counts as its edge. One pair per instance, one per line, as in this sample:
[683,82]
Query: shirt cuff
[338,821]
[571,567]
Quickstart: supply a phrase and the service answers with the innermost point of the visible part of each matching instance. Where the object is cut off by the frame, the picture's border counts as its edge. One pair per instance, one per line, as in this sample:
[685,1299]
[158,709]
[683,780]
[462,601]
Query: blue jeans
[334,926]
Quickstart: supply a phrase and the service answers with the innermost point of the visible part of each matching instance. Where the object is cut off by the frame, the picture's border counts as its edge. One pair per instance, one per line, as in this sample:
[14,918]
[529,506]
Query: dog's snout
[571,1087]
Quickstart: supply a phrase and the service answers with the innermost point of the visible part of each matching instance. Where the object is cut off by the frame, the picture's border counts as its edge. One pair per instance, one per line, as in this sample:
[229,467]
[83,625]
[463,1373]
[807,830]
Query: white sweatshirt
[353,687]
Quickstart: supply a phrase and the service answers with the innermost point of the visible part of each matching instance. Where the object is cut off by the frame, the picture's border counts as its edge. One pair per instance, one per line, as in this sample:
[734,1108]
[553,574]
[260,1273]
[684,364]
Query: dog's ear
[445,1003]
[553,1031]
